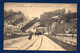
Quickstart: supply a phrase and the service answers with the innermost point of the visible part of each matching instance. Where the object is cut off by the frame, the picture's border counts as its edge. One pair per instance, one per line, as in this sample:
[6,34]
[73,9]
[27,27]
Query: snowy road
[36,43]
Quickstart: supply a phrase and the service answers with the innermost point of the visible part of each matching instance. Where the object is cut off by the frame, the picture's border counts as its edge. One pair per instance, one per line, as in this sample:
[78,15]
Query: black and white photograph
[40,26]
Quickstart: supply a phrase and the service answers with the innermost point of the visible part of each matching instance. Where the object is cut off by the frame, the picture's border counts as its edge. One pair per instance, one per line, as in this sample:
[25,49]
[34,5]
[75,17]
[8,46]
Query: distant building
[10,29]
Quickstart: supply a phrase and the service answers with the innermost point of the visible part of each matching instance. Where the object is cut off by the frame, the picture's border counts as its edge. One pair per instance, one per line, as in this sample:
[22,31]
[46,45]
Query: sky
[36,9]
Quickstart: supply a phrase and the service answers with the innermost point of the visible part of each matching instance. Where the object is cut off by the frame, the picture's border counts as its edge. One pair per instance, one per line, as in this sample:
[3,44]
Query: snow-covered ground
[36,43]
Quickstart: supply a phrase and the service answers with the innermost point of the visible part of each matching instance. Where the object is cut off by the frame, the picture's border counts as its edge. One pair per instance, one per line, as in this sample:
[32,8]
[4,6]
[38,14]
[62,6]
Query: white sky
[36,9]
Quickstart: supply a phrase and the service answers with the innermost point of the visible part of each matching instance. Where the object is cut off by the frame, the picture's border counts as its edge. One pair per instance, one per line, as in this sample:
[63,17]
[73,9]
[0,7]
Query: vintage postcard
[40,26]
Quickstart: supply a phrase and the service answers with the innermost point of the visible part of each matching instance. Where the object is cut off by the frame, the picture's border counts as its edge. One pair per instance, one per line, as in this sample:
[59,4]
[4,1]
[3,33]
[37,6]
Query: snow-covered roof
[55,17]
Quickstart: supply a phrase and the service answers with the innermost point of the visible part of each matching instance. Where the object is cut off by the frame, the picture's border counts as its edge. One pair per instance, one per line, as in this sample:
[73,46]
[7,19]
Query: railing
[67,38]
[28,25]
